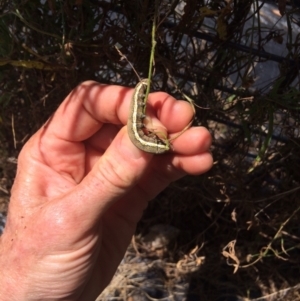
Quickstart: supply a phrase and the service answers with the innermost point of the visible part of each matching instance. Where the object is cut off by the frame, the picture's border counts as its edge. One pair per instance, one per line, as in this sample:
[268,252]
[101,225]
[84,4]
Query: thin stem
[151,61]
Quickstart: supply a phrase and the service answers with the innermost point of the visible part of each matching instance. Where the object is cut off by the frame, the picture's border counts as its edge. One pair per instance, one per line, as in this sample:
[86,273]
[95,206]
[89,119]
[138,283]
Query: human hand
[80,189]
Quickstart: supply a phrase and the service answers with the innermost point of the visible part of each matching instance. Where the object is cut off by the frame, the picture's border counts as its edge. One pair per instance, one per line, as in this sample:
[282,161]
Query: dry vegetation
[231,234]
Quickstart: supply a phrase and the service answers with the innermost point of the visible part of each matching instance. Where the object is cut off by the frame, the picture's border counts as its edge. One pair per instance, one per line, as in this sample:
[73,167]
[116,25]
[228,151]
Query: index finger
[86,109]
[91,104]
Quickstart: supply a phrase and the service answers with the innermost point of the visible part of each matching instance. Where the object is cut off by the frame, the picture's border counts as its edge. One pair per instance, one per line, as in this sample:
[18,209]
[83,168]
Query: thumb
[114,175]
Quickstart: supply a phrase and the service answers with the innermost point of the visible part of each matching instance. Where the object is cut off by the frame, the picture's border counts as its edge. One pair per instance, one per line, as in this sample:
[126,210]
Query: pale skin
[82,186]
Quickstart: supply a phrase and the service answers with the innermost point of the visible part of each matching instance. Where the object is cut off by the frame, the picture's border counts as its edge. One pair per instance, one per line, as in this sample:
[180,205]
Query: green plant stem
[151,61]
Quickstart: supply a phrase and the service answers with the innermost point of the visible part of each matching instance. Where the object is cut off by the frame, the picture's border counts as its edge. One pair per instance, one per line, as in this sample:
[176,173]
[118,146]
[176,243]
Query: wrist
[12,274]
